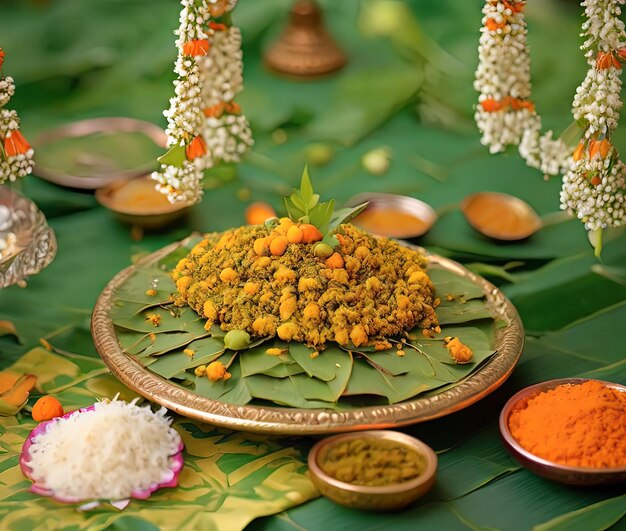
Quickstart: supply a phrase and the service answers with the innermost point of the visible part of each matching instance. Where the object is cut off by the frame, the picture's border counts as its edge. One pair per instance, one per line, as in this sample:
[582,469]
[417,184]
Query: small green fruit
[237,340]
[322,250]
[377,161]
[272,223]
[318,154]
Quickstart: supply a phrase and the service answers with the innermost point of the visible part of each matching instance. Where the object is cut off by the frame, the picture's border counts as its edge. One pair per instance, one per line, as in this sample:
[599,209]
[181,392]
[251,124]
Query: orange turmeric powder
[581,425]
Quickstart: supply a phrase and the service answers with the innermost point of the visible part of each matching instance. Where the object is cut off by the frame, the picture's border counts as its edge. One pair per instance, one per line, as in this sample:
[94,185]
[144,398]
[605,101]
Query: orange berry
[46,408]
[334,261]
[294,234]
[257,213]
[310,233]
[595,180]
[279,245]
[261,247]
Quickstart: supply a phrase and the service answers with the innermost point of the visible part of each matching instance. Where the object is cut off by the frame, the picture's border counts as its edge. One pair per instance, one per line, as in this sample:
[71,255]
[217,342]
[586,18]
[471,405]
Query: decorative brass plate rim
[509,341]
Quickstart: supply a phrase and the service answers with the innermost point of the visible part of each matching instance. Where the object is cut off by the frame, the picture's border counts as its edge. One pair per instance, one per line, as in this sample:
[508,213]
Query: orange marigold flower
[196,148]
[578,152]
[594,148]
[218,8]
[604,146]
[514,7]
[491,105]
[595,180]
[492,25]
[215,111]
[196,47]
[2,56]
[232,107]
[15,144]
[607,60]
[216,26]
[621,53]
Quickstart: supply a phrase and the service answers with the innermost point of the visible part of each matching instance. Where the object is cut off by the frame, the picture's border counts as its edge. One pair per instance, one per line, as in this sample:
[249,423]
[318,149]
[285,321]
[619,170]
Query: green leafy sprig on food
[304,206]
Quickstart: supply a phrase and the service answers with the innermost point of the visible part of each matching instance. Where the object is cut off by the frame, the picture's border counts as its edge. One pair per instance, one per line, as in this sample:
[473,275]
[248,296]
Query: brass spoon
[505,217]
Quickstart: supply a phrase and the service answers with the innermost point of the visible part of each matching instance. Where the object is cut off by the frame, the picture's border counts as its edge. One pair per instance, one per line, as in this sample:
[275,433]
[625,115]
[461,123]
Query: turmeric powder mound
[380,290]
[581,425]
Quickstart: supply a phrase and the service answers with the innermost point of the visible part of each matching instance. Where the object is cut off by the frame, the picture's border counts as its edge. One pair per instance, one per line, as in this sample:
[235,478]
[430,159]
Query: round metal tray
[284,420]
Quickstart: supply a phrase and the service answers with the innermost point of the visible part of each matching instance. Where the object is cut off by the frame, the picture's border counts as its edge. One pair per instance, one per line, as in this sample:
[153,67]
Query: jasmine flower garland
[16,155]
[226,131]
[505,113]
[204,125]
[594,177]
[594,187]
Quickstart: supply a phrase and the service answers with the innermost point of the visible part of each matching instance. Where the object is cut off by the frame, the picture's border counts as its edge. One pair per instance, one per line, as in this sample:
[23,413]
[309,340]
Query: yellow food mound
[381,291]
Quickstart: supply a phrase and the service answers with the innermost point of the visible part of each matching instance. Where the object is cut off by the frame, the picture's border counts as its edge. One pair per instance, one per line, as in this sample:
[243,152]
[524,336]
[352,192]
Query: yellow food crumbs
[200,370]
[275,351]
[190,352]
[151,292]
[400,353]
[314,354]
[154,318]
[459,351]
[152,337]
[216,371]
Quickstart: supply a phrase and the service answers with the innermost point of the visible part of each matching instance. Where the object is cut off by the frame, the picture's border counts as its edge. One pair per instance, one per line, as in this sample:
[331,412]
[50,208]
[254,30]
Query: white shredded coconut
[104,453]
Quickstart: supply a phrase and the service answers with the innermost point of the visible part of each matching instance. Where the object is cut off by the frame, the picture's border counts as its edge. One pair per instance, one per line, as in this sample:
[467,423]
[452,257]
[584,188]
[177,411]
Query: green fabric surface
[410,91]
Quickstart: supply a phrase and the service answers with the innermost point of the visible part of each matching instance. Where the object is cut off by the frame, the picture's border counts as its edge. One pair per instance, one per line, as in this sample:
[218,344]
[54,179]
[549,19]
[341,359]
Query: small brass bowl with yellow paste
[389,470]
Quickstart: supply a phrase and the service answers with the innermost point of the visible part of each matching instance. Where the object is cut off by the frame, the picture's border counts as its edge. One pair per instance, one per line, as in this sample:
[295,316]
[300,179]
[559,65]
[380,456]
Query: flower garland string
[16,155]
[593,182]
[209,69]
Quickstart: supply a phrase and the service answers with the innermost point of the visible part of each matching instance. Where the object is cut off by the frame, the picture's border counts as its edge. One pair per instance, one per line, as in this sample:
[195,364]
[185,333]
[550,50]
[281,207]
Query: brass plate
[509,340]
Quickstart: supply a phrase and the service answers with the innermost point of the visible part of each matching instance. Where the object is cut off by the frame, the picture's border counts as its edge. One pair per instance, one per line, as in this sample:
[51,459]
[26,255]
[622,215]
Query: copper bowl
[570,475]
[138,203]
[500,216]
[384,498]
[422,213]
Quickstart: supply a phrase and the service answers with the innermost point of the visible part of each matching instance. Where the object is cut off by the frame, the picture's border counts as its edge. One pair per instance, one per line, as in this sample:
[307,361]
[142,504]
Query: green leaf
[447,283]
[215,390]
[164,343]
[170,319]
[601,515]
[325,366]
[258,361]
[175,363]
[452,312]
[281,391]
[345,215]
[306,188]
[175,156]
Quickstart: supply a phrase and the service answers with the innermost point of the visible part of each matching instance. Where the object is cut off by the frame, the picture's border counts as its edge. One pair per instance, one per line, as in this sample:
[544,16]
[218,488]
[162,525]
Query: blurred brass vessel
[305,49]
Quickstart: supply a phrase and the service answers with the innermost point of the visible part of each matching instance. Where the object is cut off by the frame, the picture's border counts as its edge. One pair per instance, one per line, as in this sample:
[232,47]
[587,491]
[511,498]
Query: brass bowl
[570,475]
[385,498]
[500,216]
[35,244]
[107,125]
[421,212]
[138,203]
